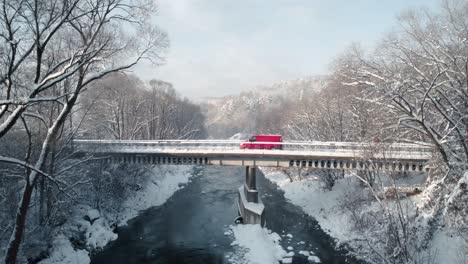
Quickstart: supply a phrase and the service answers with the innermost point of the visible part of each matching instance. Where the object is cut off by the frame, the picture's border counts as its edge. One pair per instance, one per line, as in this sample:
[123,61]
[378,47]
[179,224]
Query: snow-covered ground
[324,206]
[255,245]
[65,253]
[157,191]
[449,247]
[96,228]
[331,208]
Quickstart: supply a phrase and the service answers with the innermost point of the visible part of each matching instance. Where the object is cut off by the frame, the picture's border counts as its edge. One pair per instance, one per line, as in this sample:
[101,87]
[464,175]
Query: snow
[95,226]
[458,190]
[65,253]
[320,204]
[239,136]
[449,243]
[98,234]
[157,191]
[327,207]
[261,246]
[93,214]
[314,259]
[449,247]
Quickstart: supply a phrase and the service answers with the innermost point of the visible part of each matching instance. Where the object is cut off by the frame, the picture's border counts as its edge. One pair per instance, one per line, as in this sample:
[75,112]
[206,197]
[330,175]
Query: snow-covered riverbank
[324,206]
[337,211]
[340,210]
[96,229]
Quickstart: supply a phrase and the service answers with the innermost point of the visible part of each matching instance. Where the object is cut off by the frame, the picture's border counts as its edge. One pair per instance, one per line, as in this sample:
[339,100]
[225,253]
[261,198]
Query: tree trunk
[15,241]
[48,189]
[42,200]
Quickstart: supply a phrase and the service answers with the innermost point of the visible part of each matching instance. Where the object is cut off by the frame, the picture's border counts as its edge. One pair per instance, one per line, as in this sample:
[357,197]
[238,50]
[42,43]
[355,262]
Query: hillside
[230,114]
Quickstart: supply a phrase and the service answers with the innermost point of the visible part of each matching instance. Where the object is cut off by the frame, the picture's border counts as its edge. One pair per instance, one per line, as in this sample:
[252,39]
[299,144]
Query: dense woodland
[63,76]
[121,106]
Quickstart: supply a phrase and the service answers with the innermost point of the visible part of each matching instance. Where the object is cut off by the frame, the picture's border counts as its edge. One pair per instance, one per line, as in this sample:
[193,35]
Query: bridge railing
[122,145]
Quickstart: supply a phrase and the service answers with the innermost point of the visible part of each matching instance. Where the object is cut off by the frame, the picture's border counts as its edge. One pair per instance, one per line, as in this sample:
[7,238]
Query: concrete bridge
[397,157]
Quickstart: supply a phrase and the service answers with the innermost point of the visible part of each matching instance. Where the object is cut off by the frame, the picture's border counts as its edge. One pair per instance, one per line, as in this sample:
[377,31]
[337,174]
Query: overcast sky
[221,47]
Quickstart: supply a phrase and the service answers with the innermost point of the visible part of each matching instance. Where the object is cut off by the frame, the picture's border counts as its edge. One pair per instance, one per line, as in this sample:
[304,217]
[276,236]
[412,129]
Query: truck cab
[262,142]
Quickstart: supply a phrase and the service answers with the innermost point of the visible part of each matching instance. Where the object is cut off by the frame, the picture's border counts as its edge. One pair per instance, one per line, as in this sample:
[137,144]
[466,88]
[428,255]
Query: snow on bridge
[309,154]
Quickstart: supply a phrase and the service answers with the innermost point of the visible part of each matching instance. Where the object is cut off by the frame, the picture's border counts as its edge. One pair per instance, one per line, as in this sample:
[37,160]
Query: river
[190,226]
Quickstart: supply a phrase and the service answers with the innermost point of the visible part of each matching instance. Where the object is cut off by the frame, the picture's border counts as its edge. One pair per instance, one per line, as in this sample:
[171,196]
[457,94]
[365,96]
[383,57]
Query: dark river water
[190,226]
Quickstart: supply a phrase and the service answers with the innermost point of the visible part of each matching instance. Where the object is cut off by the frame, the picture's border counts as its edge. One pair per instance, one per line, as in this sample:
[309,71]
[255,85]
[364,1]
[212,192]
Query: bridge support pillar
[251,207]
[250,185]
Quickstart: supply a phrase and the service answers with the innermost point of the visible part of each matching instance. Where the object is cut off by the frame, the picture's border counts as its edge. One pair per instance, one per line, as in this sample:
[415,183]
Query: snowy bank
[324,206]
[350,214]
[95,229]
[167,180]
[64,253]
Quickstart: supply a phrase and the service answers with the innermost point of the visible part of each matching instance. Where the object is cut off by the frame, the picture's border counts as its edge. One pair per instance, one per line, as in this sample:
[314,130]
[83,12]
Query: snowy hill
[230,114]
[296,88]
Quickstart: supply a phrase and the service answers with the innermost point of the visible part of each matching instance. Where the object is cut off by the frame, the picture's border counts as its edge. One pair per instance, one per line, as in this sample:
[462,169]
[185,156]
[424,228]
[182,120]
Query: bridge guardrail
[113,145]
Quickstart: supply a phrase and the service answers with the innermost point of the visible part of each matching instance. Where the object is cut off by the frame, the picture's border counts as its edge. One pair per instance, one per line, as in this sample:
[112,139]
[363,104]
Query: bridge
[396,157]
[320,155]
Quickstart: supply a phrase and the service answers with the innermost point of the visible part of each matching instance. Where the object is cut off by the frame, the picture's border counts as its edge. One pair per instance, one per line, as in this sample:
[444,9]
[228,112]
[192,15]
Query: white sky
[221,47]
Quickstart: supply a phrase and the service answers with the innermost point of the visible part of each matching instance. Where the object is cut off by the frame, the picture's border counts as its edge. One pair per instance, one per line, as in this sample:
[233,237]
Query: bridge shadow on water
[190,226]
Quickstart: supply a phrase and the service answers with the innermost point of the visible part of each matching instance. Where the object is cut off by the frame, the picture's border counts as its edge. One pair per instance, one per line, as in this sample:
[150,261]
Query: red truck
[262,142]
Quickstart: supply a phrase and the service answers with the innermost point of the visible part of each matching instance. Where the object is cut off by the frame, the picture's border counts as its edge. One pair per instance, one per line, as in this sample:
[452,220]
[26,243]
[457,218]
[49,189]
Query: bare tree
[62,46]
[419,74]
[115,108]
[129,109]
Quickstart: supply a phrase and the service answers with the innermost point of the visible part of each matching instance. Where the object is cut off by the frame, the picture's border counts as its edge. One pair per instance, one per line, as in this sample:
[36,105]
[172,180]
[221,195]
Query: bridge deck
[340,150]
[333,155]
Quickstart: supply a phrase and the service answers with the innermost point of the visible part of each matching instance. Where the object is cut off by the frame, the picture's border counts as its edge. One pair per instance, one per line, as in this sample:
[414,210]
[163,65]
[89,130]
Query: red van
[262,142]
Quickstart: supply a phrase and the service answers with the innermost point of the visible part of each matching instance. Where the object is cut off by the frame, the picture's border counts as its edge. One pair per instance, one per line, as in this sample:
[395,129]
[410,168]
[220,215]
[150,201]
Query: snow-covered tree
[51,51]
[124,107]
[419,73]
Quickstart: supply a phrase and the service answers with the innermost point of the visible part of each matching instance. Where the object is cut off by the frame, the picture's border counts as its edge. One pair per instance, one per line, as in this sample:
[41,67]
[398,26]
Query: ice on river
[257,245]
